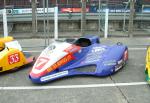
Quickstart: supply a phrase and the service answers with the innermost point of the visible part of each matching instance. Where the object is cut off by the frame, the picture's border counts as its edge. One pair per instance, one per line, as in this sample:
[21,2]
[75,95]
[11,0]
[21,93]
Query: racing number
[14,58]
[41,62]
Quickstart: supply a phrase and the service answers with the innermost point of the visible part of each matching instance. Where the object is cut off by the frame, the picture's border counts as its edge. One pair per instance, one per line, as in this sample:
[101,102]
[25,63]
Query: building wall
[74,26]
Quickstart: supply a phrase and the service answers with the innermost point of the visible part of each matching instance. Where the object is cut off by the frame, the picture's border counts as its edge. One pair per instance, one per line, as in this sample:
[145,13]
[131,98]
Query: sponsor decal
[111,10]
[51,47]
[73,10]
[61,62]
[94,55]
[109,62]
[29,10]
[120,61]
[13,58]
[120,65]
[56,75]
[98,49]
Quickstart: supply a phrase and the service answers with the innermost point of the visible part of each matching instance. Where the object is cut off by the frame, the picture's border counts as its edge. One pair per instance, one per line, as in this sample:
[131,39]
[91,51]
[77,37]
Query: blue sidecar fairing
[61,59]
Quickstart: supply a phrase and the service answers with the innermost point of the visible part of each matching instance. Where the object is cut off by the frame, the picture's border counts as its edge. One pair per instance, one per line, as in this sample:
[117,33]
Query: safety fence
[19,16]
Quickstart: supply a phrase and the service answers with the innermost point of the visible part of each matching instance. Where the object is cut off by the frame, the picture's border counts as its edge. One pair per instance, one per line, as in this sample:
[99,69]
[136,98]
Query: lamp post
[33,17]
[99,11]
[5,27]
[130,27]
[83,17]
[4,3]
[124,17]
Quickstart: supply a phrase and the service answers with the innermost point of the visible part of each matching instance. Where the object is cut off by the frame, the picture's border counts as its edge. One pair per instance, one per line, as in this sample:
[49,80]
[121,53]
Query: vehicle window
[83,42]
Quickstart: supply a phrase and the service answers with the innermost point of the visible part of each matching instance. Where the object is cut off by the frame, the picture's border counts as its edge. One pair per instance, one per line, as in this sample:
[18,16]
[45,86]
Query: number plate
[14,58]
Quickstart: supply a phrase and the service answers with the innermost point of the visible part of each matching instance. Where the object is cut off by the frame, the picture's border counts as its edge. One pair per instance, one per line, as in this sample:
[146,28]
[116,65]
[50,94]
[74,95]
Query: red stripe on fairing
[125,57]
[61,62]
[72,49]
[39,74]
[55,66]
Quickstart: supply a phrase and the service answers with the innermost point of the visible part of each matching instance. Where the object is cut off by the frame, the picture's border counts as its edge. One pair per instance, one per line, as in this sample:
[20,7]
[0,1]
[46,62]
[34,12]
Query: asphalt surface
[131,73]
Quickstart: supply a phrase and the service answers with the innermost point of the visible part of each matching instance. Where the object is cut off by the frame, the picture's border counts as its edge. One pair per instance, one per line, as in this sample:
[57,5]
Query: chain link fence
[19,14]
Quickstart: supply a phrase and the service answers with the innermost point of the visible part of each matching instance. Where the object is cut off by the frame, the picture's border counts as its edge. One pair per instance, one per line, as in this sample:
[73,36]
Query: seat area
[83,42]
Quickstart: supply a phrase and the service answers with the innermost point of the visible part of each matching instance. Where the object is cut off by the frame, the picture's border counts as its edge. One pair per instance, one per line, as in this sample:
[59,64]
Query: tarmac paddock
[128,85]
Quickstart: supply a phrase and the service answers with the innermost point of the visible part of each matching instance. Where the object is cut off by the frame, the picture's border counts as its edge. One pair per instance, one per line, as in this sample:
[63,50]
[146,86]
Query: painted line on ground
[33,51]
[72,86]
[38,51]
[137,48]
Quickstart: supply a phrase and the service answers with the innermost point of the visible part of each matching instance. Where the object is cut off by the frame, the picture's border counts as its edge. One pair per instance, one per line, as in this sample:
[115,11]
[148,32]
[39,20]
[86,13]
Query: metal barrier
[69,17]
[76,16]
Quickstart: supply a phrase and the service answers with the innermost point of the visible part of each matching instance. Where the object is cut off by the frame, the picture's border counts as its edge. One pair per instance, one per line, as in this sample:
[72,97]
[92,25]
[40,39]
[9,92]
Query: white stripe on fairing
[72,86]
[53,56]
[128,48]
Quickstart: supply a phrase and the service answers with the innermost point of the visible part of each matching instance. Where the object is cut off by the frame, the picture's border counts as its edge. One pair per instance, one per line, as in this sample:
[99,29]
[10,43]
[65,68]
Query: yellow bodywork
[147,68]
[6,39]
[11,59]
